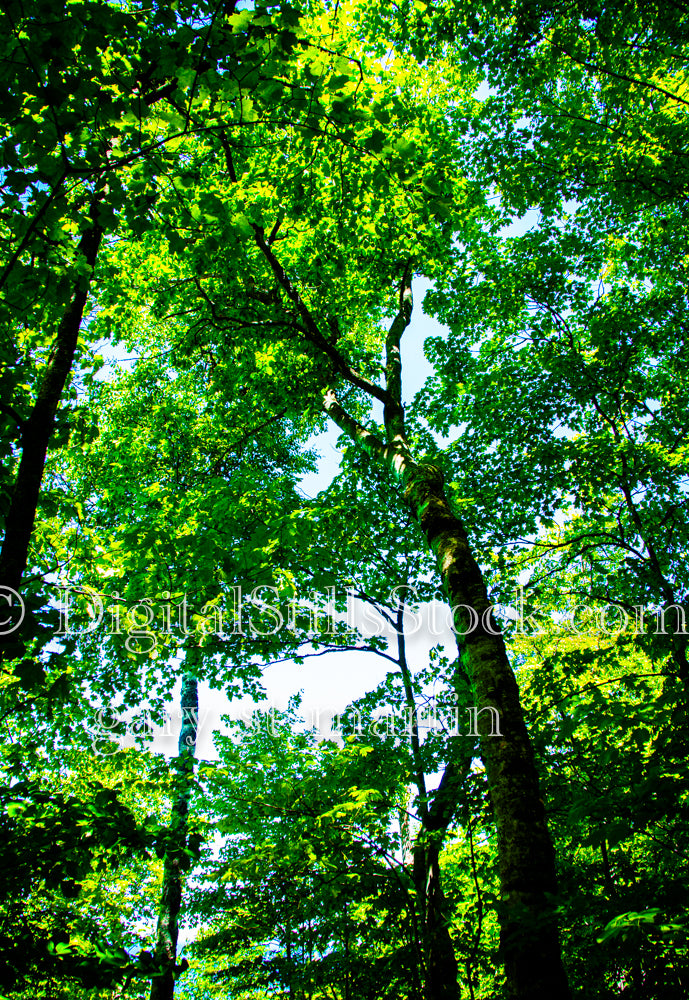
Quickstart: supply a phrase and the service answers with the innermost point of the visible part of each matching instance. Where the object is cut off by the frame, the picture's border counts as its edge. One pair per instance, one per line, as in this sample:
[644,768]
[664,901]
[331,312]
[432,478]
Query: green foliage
[307,892]
[267,180]
[77,852]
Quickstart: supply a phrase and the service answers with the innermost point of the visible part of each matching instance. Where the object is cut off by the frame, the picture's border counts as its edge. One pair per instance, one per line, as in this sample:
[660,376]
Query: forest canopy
[228,228]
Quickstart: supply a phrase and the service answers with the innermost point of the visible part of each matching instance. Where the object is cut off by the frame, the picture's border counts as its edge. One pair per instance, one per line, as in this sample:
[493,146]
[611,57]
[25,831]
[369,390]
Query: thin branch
[311,328]
[411,708]
[619,76]
[331,649]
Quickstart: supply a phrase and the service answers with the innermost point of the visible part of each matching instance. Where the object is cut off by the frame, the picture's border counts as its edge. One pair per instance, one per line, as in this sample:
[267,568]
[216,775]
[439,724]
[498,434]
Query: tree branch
[393,359]
[311,328]
[372,445]
[618,76]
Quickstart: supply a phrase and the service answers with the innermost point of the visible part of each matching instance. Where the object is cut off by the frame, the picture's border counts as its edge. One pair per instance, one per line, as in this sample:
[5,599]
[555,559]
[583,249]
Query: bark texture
[526,857]
[163,985]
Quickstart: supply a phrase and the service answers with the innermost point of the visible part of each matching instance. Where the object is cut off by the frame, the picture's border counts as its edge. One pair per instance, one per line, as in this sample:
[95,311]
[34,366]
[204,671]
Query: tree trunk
[163,985]
[37,429]
[529,938]
[440,980]
[526,859]
[440,964]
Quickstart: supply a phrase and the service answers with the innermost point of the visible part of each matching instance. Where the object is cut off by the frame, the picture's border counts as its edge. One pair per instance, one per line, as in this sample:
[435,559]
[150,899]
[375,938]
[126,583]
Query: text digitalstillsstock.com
[261,612]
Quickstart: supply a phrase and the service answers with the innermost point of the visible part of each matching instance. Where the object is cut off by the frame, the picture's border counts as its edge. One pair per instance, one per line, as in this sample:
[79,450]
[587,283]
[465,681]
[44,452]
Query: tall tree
[319,311]
[95,112]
